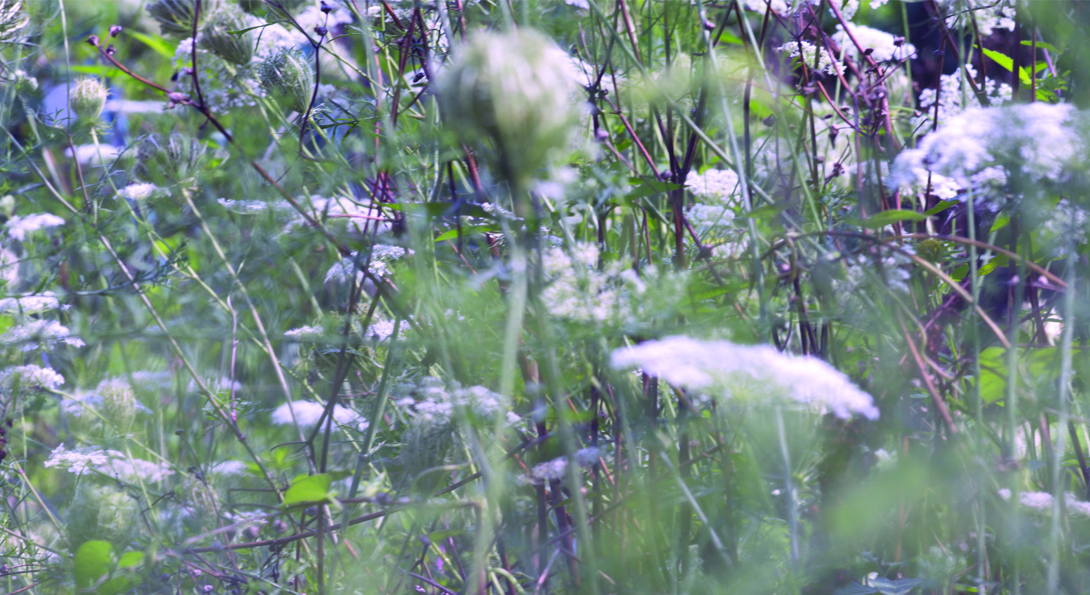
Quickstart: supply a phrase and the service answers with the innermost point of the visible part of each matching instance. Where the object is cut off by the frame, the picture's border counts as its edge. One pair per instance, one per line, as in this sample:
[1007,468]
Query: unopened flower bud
[115,30]
[176,16]
[13,20]
[320,30]
[217,38]
[287,77]
[88,98]
[118,404]
[516,91]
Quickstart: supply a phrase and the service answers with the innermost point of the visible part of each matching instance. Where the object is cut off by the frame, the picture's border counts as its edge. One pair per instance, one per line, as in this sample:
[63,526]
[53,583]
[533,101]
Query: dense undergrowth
[532,296]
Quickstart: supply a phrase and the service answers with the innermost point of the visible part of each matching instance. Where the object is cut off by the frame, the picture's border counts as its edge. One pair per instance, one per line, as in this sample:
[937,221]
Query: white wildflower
[138,191]
[1042,501]
[553,470]
[305,333]
[381,255]
[777,6]
[731,368]
[40,334]
[953,99]
[19,226]
[808,52]
[32,304]
[588,457]
[884,44]
[717,185]
[77,461]
[848,8]
[30,376]
[229,468]
[380,330]
[989,15]
[307,413]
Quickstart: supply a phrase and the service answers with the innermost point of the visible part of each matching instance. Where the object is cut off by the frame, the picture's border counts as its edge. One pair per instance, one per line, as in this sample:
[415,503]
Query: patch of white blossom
[307,413]
[1042,501]
[19,226]
[32,304]
[109,462]
[30,376]
[381,255]
[718,185]
[989,15]
[430,402]
[139,191]
[808,53]
[40,334]
[953,97]
[886,46]
[747,370]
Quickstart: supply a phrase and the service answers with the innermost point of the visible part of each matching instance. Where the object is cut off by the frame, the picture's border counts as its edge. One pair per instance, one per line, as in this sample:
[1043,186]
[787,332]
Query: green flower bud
[514,90]
[12,20]
[167,162]
[88,98]
[216,37]
[288,78]
[118,404]
[101,513]
[176,16]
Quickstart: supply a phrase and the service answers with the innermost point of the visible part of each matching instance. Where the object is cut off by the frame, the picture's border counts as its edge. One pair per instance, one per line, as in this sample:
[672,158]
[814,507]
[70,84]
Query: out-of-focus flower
[514,90]
[30,376]
[117,402]
[175,17]
[718,185]
[808,53]
[885,45]
[218,36]
[168,161]
[743,370]
[13,20]
[19,226]
[88,98]
[31,304]
[1042,501]
[39,334]
[288,77]
[307,413]
[104,513]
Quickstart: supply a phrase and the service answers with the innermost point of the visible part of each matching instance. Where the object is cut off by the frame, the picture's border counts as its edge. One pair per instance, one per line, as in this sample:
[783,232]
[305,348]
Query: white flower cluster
[1040,139]
[953,98]
[30,376]
[254,207]
[32,304]
[556,469]
[739,370]
[381,255]
[861,267]
[313,17]
[716,185]
[307,413]
[109,462]
[808,53]
[431,403]
[885,45]
[40,334]
[578,291]
[19,226]
[1042,501]
[138,191]
[988,14]
[304,333]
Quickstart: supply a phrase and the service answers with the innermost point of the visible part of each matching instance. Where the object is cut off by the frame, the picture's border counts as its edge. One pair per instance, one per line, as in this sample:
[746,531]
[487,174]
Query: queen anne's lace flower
[718,185]
[747,369]
[40,334]
[110,462]
[19,226]
[1042,501]
[32,304]
[308,413]
[30,376]
[381,255]
[885,45]
[807,52]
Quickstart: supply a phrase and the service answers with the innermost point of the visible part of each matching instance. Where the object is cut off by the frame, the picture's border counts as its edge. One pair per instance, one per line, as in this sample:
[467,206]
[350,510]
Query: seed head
[88,99]
[217,38]
[513,90]
[288,77]
[176,16]
[13,20]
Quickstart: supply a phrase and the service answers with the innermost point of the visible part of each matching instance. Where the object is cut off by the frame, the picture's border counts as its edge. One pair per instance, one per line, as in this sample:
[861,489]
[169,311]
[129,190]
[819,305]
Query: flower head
[88,98]
[737,370]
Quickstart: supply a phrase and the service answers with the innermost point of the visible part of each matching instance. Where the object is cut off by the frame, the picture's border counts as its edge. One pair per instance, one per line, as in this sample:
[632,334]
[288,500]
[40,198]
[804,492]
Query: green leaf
[95,69]
[311,488]
[154,43]
[466,231]
[1000,260]
[728,37]
[93,560]
[767,211]
[1043,46]
[1000,59]
[651,188]
[942,206]
[890,217]
[130,560]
